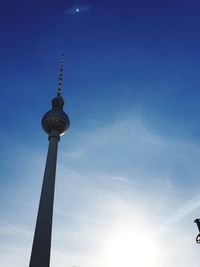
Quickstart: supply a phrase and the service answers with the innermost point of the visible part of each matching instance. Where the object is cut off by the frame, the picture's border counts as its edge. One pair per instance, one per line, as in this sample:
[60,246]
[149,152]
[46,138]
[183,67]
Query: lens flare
[77,9]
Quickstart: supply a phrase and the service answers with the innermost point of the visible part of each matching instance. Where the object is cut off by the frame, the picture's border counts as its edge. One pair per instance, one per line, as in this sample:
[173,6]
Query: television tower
[54,122]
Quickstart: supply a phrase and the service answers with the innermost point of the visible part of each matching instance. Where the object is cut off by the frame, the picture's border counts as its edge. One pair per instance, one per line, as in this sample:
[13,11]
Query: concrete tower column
[40,256]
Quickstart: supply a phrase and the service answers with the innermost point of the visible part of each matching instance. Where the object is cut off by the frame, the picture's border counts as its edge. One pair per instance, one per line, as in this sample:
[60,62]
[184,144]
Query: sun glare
[131,248]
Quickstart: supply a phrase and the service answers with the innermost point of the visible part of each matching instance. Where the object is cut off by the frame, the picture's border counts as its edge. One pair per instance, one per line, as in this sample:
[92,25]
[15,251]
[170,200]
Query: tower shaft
[40,255]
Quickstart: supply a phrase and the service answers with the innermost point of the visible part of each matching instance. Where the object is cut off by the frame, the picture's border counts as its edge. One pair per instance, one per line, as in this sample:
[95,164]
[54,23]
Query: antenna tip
[60,75]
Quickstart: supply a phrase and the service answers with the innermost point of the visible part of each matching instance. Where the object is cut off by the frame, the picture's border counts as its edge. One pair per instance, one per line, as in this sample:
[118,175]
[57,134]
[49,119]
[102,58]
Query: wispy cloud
[179,213]
[11,229]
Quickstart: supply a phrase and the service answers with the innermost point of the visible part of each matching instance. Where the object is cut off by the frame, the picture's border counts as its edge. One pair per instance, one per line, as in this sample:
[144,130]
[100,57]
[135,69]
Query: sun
[129,247]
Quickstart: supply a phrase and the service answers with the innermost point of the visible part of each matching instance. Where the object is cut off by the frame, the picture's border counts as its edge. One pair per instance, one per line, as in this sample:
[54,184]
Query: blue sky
[128,169]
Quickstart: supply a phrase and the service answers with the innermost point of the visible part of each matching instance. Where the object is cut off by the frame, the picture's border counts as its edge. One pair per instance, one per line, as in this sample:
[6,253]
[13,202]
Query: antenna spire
[60,76]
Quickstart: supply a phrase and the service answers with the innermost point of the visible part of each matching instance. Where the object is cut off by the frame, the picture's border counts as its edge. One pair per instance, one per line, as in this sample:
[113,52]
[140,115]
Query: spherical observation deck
[56,119]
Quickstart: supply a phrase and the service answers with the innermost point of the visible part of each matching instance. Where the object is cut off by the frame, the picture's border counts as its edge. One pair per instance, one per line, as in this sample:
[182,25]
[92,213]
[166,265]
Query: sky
[127,182]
